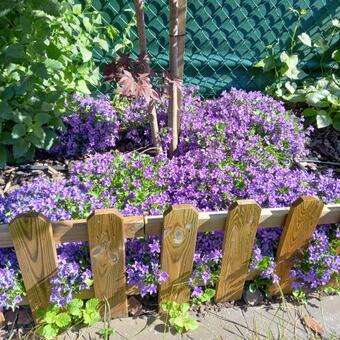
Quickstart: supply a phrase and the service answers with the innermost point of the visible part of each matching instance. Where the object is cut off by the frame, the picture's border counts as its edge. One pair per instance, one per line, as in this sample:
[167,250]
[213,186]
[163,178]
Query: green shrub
[321,95]
[45,55]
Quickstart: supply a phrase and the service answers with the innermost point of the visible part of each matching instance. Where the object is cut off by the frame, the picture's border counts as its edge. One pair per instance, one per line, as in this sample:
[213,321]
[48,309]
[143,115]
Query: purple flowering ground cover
[240,145]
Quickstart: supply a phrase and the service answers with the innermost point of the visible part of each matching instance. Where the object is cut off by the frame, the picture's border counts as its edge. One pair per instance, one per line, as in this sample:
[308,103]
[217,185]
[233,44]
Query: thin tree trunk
[173,56]
[139,7]
[176,61]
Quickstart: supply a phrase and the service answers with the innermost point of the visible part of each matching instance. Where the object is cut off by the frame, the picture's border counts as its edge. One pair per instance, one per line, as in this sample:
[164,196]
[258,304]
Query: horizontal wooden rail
[139,226]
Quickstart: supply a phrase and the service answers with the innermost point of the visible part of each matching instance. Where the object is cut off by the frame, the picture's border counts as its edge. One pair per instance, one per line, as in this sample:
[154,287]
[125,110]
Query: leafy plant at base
[45,54]
[56,320]
[322,94]
[106,332]
[206,296]
[178,316]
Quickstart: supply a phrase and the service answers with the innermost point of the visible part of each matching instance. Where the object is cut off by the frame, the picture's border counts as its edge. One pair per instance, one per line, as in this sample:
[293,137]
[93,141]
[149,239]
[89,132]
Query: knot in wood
[178,236]
[114,258]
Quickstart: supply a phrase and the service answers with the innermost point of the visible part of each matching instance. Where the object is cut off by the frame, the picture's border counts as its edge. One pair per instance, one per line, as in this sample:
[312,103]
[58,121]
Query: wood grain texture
[107,251]
[298,229]
[36,253]
[240,230]
[177,254]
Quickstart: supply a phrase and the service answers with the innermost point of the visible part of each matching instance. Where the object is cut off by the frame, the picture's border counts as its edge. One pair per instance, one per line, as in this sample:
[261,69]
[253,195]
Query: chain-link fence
[225,38]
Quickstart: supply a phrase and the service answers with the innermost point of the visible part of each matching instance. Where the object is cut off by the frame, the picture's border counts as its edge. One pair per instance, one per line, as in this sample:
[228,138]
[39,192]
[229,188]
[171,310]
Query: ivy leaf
[315,98]
[323,119]
[18,130]
[88,26]
[336,123]
[85,53]
[291,87]
[76,9]
[82,87]
[103,44]
[63,320]
[267,63]
[305,39]
[290,69]
[53,64]
[321,43]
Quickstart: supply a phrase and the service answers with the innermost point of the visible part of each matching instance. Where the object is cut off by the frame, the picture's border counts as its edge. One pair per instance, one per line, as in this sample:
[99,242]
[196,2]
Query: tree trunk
[139,7]
[176,61]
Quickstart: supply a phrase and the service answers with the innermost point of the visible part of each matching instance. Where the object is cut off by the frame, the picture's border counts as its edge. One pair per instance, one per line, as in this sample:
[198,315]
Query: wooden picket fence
[35,237]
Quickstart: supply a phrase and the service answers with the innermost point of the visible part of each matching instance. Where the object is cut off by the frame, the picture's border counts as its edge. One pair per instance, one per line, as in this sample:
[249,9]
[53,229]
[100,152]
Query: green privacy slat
[225,38]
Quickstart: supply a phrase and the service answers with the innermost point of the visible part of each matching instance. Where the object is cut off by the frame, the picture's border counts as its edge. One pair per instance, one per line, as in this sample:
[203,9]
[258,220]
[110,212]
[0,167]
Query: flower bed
[241,145]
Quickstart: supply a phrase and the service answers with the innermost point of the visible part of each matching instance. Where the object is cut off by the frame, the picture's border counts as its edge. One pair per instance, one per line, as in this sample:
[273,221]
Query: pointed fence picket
[34,238]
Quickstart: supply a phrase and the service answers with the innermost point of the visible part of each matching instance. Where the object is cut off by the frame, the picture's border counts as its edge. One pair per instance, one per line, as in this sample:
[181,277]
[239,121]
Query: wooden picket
[36,253]
[177,254]
[34,239]
[107,252]
[298,229]
[239,236]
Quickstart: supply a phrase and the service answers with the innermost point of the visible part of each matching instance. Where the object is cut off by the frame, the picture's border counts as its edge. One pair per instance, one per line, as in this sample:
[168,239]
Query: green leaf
[336,23]
[112,32]
[76,9]
[323,119]
[49,139]
[63,320]
[267,63]
[290,69]
[3,156]
[42,118]
[336,55]
[315,98]
[40,133]
[92,304]
[5,111]
[50,316]
[90,317]
[291,87]
[53,64]
[88,26]
[39,69]
[305,39]
[74,307]
[190,324]
[15,51]
[85,53]
[321,43]
[309,112]
[18,131]
[82,87]
[336,124]
[49,331]
[102,44]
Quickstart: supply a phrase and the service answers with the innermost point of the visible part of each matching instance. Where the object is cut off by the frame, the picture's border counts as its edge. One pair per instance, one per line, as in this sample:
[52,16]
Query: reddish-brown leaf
[313,324]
